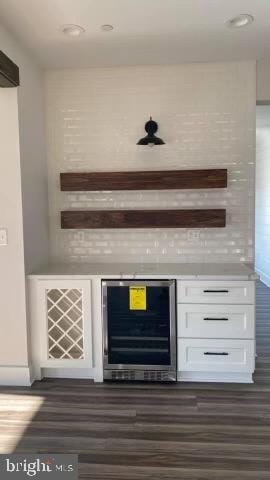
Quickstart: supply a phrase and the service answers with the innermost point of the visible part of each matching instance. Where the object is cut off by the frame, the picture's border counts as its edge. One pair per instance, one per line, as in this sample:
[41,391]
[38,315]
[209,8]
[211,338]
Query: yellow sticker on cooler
[137,298]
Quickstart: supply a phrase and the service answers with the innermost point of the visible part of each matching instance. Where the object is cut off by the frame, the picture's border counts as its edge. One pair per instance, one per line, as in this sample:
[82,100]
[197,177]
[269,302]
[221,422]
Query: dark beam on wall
[154,180]
[210,218]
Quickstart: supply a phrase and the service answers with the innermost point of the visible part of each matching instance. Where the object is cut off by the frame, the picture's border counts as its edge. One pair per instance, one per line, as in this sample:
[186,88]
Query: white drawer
[215,321]
[202,291]
[209,355]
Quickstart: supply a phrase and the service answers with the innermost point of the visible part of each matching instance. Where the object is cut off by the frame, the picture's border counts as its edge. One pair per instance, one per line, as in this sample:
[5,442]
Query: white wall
[206,114]
[263,194]
[13,336]
[32,151]
[23,205]
[263,81]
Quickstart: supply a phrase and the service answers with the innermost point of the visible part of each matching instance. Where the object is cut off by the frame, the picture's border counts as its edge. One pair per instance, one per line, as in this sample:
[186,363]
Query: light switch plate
[3,237]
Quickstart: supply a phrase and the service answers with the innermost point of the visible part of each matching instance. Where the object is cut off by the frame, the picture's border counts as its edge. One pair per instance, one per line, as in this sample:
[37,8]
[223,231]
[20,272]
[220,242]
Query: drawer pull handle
[216,353]
[216,291]
[216,319]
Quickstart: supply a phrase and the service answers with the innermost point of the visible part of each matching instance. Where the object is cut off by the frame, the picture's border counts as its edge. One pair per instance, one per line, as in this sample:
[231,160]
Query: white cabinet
[202,291]
[216,330]
[214,355]
[215,321]
[215,327]
[61,326]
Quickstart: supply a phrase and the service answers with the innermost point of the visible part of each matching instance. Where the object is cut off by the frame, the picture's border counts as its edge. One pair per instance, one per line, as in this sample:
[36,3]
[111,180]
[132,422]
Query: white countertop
[184,271]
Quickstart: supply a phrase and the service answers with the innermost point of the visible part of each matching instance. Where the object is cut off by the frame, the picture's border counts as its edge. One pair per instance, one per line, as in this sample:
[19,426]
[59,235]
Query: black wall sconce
[151,127]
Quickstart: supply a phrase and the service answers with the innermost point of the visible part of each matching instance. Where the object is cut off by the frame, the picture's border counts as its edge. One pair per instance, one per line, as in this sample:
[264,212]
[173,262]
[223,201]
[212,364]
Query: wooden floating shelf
[210,218]
[154,180]
[9,72]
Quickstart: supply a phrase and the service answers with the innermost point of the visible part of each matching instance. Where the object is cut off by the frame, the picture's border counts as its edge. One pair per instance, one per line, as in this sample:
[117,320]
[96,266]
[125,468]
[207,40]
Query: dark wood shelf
[9,72]
[210,218]
[154,180]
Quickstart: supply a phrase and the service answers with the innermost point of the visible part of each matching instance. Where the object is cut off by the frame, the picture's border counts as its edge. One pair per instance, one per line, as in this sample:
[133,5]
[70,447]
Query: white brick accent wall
[206,116]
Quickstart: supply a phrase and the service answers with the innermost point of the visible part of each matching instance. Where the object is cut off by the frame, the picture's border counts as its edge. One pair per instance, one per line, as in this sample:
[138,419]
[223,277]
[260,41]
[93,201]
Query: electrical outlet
[3,237]
[194,235]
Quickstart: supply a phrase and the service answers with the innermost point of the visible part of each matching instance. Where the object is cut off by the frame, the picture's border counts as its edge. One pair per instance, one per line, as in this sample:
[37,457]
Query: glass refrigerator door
[138,336]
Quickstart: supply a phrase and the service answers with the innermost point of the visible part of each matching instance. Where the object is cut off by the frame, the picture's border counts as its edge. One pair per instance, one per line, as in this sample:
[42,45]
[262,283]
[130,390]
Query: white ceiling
[145,31]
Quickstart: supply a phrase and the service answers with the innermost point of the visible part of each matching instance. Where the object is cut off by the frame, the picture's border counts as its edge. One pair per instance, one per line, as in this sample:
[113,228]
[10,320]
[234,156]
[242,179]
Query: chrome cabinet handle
[216,319]
[216,291]
[216,353]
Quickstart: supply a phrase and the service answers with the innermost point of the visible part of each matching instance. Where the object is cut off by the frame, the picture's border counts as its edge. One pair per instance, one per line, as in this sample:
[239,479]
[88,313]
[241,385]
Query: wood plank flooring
[181,431]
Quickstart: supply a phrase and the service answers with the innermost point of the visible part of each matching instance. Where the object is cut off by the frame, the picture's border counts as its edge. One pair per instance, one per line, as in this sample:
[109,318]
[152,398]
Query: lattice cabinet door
[66,334]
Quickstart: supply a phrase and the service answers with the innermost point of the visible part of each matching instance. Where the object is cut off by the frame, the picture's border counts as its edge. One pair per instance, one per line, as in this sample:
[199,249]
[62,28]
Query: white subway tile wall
[206,116]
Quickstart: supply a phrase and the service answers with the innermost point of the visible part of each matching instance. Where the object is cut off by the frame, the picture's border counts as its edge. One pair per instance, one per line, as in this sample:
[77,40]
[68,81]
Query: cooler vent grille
[142,375]
[123,375]
[155,375]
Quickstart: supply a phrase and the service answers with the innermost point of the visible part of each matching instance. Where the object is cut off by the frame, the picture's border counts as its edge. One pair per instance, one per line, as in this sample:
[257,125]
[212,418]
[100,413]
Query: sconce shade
[151,127]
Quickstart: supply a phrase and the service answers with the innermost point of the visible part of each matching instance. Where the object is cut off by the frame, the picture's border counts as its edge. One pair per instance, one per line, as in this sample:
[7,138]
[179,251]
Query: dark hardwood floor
[152,432]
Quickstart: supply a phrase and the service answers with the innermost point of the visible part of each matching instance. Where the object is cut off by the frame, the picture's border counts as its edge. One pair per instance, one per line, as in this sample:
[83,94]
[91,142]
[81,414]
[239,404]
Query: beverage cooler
[139,330]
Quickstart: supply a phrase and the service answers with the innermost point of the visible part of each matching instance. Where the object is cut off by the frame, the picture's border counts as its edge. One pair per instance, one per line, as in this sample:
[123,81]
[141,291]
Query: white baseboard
[35,373]
[263,277]
[15,376]
[214,377]
[84,373]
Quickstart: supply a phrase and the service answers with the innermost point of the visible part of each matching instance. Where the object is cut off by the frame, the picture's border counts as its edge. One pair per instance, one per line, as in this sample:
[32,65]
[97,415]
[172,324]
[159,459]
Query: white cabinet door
[215,321]
[65,332]
[203,291]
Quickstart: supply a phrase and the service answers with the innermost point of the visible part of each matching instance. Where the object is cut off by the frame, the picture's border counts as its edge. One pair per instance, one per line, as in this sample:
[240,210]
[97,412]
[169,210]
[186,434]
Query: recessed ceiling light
[106,28]
[242,20]
[72,30]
